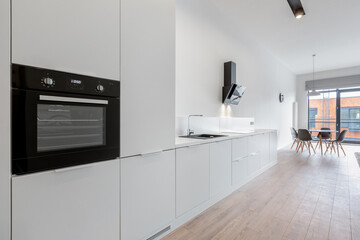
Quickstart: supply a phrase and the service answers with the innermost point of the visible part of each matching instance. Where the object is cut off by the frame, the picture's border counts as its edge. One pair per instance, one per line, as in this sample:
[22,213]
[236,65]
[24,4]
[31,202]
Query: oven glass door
[61,126]
[52,130]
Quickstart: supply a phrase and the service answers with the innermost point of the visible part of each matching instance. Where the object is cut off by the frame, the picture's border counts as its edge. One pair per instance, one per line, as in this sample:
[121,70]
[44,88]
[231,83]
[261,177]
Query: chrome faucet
[189,130]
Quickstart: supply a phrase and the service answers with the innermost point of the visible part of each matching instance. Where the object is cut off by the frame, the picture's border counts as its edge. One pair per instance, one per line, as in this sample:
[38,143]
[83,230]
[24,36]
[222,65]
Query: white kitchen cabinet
[265,149]
[74,36]
[239,166]
[147,194]
[273,146]
[192,177]
[5,152]
[220,167]
[255,154]
[147,76]
[79,203]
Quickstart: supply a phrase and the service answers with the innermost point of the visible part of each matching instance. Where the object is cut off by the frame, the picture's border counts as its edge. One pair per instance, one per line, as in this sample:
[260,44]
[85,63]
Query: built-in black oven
[61,119]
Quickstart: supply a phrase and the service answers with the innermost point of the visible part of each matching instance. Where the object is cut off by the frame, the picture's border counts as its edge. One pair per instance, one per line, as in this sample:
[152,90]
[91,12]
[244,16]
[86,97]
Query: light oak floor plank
[302,197]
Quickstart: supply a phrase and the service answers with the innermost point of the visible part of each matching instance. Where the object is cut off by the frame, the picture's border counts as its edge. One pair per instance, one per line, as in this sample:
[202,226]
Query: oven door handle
[72,100]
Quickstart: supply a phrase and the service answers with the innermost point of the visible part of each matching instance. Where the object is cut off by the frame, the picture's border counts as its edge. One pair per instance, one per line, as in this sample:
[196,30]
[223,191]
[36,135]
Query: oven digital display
[75,84]
[75,81]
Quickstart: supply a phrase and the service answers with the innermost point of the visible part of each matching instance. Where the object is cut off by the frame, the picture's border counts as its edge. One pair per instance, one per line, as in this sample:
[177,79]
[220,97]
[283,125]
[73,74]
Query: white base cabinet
[147,194]
[80,203]
[264,145]
[152,193]
[220,167]
[192,177]
[273,146]
[239,164]
[255,154]
[251,155]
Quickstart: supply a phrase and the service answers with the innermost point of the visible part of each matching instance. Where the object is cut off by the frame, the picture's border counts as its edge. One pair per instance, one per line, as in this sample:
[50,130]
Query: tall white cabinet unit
[5,170]
[147,194]
[147,76]
[79,36]
[79,203]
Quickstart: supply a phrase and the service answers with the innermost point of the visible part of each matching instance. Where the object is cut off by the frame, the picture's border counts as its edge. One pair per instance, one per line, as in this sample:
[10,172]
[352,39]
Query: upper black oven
[61,119]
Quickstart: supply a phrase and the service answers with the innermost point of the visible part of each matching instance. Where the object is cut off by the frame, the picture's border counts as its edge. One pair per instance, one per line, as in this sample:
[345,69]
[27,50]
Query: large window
[350,118]
[322,110]
[312,114]
[338,110]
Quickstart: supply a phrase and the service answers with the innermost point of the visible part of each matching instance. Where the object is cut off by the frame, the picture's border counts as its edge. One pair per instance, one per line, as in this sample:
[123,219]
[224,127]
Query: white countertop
[185,142]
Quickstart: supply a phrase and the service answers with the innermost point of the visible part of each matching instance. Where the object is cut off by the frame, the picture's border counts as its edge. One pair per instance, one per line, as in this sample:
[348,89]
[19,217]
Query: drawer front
[239,148]
[239,171]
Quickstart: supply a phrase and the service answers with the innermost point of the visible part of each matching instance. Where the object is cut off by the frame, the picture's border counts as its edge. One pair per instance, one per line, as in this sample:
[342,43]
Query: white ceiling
[331,29]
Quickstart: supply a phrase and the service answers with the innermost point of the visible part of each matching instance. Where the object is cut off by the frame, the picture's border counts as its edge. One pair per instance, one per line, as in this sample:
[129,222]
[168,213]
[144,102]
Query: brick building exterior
[322,113]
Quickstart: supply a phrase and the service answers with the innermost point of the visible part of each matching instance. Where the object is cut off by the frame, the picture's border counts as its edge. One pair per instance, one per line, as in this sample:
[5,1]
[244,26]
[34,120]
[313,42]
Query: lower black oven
[62,120]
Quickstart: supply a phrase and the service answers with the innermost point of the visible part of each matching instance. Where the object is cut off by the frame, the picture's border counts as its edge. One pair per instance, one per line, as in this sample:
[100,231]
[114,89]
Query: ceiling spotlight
[297,8]
[299,13]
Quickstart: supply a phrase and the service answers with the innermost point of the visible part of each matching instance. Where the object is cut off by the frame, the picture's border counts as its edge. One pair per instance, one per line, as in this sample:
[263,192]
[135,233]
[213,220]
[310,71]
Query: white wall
[204,42]
[301,94]
[5,120]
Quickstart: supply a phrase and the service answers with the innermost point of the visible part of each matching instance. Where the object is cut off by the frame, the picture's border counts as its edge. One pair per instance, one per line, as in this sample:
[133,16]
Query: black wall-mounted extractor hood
[232,92]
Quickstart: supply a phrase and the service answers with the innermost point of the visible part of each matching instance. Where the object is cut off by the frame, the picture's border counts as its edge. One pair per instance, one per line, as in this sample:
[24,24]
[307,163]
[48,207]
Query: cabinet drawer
[254,162]
[239,171]
[239,148]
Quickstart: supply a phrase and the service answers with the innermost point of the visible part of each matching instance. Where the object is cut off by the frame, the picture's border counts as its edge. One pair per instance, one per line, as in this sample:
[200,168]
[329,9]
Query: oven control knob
[100,88]
[48,81]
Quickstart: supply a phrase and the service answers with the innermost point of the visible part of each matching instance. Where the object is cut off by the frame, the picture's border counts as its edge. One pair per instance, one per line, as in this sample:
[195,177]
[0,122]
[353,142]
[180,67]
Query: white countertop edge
[181,142]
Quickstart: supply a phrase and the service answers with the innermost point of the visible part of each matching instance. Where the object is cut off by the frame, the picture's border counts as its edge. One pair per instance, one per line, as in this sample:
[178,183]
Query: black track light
[297,8]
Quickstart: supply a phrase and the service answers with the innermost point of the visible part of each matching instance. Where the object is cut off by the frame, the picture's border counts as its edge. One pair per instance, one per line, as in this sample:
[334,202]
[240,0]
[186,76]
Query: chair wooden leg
[306,145]
[333,146]
[298,147]
[317,145]
[309,147]
[297,143]
[321,147]
[302,148]
[327,147]
[312,147]
[342,148]
[293,144]
[337,145]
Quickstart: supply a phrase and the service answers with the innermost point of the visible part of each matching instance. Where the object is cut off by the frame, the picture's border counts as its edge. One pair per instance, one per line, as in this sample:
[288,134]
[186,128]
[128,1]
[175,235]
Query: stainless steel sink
[203,136]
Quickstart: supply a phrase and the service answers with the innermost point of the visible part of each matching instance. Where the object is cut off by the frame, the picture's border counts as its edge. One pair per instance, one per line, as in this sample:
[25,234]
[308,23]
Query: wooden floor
[301,197]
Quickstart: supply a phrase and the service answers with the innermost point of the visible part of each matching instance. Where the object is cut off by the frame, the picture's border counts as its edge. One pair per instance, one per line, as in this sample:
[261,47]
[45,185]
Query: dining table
[321,131]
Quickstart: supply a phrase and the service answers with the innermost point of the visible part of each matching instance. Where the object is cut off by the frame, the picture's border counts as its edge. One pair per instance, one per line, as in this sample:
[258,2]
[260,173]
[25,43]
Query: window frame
[338,111]
[349,122]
